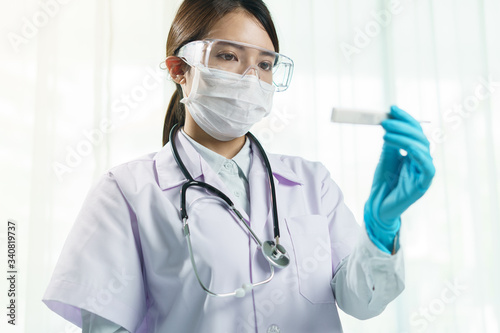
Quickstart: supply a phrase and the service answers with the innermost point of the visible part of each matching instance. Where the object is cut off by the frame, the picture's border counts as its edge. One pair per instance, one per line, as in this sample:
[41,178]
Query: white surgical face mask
[225,105]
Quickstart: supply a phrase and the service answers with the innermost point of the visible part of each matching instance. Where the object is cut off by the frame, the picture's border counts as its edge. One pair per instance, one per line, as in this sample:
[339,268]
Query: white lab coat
[126,258]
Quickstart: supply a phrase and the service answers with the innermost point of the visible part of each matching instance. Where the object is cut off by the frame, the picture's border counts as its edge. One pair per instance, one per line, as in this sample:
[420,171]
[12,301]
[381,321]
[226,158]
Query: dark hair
[193,21]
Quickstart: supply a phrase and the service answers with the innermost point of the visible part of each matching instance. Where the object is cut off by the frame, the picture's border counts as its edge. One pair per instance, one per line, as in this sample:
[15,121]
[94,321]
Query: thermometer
[359,116]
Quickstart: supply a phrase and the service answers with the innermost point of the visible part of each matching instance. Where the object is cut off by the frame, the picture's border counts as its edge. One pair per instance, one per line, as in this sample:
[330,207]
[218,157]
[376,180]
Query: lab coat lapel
[260,191]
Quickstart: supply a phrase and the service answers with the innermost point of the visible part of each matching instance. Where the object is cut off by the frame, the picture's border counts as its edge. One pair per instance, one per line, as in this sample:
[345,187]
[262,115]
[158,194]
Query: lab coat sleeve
[99,269]
[92,323]
[368,279]
[365,278]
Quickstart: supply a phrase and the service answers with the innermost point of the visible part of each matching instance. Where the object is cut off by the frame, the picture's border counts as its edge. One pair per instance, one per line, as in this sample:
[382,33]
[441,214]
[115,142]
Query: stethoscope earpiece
[245,288]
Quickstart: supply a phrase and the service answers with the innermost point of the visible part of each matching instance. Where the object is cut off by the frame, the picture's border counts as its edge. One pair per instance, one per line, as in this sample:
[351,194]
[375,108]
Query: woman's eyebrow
[241,47]
[268,53]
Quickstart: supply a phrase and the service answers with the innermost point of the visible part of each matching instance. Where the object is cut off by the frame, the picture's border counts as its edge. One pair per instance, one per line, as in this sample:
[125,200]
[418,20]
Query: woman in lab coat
[127,265]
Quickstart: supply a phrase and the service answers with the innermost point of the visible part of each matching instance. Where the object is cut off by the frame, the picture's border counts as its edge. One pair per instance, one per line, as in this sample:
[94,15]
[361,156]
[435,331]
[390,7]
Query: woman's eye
[227,57]
[266,66]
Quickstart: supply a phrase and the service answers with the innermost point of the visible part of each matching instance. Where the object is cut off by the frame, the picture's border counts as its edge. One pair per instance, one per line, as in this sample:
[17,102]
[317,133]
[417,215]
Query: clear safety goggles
[240,58]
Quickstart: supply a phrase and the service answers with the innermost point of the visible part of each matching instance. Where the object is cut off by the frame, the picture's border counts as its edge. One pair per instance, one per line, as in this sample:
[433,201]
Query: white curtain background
[81,91]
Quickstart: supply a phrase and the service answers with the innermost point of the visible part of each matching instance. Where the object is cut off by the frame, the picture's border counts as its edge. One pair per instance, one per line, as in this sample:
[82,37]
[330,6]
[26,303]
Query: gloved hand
[399,180]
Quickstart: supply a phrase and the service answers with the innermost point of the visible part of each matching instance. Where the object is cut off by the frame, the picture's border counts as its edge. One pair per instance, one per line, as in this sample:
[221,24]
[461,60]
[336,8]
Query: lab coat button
[237,194]
[273,329]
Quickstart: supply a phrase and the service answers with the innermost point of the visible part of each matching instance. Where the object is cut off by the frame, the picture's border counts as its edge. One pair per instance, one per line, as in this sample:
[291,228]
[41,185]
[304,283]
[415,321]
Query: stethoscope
[273,251]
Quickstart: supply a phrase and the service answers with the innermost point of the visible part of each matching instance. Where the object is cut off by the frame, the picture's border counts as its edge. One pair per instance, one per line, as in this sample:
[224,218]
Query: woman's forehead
[242,27]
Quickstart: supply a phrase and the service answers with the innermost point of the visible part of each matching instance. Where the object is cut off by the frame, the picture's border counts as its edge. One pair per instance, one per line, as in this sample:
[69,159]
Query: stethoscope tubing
[272,251]
[271,185]
[240,292]
[192,182]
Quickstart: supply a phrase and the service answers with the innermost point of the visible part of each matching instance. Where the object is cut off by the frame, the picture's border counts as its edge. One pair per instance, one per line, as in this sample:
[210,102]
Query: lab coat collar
[281,171]
[170,175]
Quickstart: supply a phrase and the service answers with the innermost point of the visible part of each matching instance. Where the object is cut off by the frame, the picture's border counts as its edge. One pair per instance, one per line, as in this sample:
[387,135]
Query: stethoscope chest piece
[275,254]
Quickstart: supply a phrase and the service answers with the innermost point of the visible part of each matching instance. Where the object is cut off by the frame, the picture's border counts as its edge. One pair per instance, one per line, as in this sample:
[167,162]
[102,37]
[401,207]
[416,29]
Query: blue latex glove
[399,180]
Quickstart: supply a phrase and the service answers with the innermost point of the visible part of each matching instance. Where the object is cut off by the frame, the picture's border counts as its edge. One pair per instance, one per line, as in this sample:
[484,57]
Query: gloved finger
[397,113]
[419,154]
[402,141]
[403,128]
[424,163]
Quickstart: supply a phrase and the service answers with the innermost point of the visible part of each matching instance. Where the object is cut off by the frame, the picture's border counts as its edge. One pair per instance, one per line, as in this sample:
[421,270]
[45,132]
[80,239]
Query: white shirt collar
[216,161]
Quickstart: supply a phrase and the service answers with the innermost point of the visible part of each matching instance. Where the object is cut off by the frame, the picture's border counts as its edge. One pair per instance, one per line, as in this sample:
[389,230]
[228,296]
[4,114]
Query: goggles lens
[240,58]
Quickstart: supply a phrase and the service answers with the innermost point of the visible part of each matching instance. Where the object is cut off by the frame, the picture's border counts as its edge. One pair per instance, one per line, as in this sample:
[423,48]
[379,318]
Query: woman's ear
[176,67]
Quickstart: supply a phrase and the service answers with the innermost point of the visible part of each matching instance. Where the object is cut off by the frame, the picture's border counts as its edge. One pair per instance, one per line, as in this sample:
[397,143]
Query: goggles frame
[197,54]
